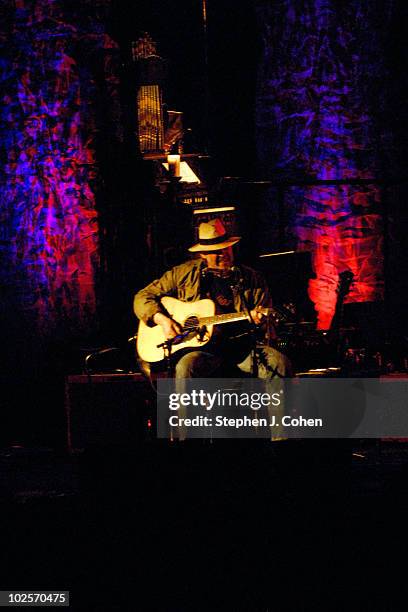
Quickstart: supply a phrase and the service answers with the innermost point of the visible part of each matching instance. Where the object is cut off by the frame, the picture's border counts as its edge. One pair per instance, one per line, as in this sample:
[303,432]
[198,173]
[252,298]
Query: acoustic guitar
[197,320]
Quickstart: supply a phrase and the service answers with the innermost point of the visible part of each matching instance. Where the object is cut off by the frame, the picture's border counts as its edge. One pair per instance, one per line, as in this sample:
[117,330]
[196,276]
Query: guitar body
[186,314]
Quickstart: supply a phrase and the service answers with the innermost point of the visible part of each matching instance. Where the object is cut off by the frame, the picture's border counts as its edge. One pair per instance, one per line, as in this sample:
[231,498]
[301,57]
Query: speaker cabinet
[107,410]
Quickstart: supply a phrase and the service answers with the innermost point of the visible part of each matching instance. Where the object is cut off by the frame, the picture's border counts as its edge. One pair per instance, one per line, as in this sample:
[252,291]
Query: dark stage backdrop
[331,107]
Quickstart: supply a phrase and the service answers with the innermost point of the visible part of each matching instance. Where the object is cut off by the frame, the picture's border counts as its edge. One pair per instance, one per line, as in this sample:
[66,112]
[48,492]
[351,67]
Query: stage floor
[191,529]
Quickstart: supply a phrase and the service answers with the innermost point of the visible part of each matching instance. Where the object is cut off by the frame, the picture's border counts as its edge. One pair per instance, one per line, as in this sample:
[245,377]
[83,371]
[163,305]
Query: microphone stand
[166,346]
[238,289]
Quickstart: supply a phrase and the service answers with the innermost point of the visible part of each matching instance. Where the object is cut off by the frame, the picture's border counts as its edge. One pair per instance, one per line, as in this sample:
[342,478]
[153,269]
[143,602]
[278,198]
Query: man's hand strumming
[170,327]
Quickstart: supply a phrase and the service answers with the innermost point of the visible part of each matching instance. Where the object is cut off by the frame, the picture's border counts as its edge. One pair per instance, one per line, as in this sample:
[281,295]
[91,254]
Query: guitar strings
[200,323]
[213,320]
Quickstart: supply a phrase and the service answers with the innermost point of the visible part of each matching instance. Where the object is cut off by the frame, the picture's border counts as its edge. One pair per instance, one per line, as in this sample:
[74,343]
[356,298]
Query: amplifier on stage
[107,410]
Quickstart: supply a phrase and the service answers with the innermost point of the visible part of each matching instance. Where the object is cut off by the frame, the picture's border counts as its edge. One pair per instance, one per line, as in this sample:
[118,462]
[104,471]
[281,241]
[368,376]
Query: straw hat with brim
[213,236]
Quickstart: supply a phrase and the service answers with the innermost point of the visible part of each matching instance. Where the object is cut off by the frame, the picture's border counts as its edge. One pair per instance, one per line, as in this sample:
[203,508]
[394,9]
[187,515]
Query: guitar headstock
[346,279]
[280,314]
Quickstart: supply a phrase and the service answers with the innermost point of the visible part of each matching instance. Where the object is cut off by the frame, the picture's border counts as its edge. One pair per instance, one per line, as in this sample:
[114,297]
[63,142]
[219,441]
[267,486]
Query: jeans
[200,364]
[272,365]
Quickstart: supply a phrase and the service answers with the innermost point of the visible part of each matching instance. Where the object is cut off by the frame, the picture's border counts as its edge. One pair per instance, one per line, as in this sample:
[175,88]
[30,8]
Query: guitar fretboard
[224,318]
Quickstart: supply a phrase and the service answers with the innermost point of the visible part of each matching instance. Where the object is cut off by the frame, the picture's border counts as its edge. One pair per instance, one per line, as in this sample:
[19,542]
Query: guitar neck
[230,317]
[223,318]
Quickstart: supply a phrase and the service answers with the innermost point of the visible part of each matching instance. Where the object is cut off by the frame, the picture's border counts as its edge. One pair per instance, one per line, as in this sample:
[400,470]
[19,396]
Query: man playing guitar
[239,293]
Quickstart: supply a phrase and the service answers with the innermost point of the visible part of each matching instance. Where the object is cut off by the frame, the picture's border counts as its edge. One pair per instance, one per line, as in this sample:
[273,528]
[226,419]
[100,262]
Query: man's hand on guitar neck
[170,327]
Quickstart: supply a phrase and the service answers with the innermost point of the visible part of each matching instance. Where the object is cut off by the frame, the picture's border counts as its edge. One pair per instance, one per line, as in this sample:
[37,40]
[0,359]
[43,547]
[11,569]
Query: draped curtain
[321,115]
[58,68]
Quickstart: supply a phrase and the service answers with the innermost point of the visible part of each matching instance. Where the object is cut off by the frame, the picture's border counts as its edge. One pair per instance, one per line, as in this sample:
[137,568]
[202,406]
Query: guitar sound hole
[191,323]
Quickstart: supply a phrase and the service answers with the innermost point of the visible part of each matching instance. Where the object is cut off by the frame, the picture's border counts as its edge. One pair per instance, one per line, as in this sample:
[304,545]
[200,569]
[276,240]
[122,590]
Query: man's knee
[196,364]
[186,365]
